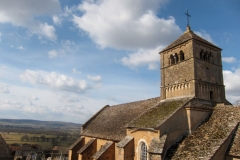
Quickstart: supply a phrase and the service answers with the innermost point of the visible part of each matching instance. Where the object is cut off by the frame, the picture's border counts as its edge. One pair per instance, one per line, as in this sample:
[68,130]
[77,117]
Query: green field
[47,141]
[45,133]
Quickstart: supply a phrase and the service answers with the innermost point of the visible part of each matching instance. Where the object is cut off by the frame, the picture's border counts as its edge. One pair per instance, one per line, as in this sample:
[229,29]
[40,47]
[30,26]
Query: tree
[43,138]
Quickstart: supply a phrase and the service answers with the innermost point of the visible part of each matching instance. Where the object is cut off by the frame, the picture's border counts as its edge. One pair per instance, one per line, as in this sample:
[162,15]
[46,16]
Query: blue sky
[63,60]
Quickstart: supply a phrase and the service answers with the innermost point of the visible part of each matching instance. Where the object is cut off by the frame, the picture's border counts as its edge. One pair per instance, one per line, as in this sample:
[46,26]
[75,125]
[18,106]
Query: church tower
[192,67]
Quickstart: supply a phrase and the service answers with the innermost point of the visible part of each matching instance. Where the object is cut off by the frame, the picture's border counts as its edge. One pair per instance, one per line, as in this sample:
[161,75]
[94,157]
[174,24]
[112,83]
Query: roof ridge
[91,118]
[186,36]
[138,101]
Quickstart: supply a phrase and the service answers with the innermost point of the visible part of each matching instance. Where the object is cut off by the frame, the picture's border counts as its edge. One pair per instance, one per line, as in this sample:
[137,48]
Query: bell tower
[192,67]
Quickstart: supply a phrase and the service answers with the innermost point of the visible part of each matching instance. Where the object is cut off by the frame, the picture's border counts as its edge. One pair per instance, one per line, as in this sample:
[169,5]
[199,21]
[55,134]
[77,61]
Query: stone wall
[145,136]
[192,69]
[177,74]
[175,127]
[125,153]
[109,154]
[196,117]
[91,150]
[72,154]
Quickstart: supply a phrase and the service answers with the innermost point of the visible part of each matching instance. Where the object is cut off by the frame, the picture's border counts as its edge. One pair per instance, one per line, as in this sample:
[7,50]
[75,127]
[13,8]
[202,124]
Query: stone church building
[190,120]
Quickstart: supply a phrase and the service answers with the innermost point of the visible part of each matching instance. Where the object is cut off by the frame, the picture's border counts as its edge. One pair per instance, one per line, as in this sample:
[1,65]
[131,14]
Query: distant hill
[35,126]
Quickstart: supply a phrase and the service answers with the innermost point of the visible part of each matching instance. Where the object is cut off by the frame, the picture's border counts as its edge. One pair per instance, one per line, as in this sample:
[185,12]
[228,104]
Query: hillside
[35,126]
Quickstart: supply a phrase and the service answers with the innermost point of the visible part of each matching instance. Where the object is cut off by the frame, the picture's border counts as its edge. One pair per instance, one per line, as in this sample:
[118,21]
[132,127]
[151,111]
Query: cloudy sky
[63,60]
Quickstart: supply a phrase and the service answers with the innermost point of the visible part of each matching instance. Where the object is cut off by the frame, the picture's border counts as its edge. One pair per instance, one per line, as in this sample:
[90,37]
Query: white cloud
[25,13]
[34,97]
[10,104]
[60,82]
[4,88]
[54,80]
[126,24]
[21,48]
[47,31]
[52,54]
[204,35]
[229,59]
[75,71]
[143,57]
[95,78]
[70,98]
[232,83]
[57,20]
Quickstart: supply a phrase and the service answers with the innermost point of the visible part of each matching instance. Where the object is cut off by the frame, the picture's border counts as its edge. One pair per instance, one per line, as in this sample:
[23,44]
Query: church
[190,120]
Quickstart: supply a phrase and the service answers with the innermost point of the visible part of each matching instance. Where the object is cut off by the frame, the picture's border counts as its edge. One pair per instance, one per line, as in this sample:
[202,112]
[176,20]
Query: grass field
[47,141]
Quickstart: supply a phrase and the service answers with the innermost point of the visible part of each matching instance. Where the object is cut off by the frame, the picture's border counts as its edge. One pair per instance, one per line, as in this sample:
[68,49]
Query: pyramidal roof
[188,35]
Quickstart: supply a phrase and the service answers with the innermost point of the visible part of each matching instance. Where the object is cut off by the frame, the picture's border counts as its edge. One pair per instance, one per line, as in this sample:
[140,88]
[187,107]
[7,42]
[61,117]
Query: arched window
[205,56]
[143,152]
[181,56]
[210,58]
[201,54]
[172,59]
[176,57]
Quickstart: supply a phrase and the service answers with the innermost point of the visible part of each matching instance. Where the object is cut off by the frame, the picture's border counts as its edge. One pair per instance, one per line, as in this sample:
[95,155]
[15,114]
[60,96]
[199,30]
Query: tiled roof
[235,146]
[86,145]
[5,150]
[155,116]
[207,139]
[102,149]
[75,143]
[157,145]
[188,35]
[111,121]
[124,141]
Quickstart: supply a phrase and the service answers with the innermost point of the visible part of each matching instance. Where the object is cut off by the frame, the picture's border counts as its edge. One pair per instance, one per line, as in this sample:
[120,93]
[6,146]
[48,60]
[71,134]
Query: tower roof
[188,35]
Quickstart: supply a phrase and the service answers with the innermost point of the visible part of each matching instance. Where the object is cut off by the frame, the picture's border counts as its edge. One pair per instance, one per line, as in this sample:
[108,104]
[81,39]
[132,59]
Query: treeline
[38,130]
[42,138]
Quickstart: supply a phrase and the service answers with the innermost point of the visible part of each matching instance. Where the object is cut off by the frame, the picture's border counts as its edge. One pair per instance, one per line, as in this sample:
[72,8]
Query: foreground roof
[110,122]
[4,148]
[235,146]
[204,142]
[188,35]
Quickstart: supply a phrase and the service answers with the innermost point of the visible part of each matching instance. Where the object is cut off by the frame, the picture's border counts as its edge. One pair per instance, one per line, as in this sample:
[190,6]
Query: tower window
[181,56]
[143,153]
[201,54]
[176,57]
[205,56]
[171,59]
[211,95]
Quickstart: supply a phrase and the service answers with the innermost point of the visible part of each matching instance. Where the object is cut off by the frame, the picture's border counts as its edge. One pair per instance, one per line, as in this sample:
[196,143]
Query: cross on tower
[188,15]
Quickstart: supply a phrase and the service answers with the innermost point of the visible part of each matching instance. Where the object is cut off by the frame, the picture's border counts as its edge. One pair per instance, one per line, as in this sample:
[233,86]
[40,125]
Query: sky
[63,60]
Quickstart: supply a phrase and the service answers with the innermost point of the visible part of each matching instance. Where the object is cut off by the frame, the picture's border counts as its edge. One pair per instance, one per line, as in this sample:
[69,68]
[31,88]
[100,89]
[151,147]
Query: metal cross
[188,15]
